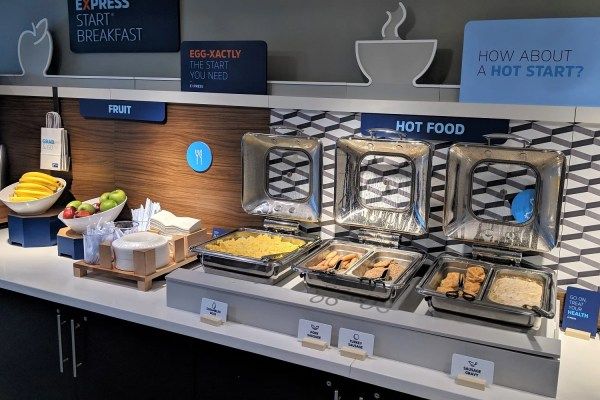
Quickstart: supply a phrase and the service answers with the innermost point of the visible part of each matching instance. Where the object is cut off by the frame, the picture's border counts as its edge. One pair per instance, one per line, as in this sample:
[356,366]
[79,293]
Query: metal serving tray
[350,280]
[482,307]
[264,267]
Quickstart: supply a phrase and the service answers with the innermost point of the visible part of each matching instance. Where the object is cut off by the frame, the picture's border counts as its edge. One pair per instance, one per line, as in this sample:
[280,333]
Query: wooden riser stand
[144,262]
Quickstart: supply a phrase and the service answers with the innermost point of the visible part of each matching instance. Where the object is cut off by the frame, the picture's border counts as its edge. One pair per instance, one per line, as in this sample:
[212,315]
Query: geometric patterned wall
[576,258]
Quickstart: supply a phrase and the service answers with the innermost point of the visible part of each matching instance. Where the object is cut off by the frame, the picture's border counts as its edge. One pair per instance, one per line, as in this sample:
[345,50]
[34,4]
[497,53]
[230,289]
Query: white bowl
[124,247]
[33,207]
[80,225]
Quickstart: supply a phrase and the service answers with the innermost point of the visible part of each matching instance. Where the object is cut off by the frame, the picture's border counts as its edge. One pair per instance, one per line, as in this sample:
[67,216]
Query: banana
[40,181]
[18,199]
[41,175]
[34,186]
[37,194]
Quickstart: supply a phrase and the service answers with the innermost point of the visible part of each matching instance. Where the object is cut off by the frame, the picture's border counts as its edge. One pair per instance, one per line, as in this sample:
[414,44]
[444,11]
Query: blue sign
[199,156]
[532,61]
[123,26]
[580,311]
[123,109]
[224,67]
[426,127]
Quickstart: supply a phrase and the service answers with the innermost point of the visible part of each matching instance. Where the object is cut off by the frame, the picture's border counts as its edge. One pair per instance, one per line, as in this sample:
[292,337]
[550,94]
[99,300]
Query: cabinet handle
[336,395]
[61,358]
[73,350]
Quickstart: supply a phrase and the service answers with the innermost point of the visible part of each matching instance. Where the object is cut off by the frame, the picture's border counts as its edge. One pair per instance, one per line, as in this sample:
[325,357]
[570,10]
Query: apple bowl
[80,225]
[32,207]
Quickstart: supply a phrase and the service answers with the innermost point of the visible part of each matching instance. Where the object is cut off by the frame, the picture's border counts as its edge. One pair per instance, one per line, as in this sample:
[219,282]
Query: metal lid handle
[287,130]
[388,131]
[506,136]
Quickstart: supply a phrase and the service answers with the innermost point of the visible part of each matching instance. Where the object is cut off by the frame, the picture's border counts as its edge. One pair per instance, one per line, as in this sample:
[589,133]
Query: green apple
[107,205]
[75,204]
[104,196]
[118,196]
[86,207]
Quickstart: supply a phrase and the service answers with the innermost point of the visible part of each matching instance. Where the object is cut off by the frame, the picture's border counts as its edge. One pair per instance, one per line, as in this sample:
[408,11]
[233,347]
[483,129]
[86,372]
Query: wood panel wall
[144,159]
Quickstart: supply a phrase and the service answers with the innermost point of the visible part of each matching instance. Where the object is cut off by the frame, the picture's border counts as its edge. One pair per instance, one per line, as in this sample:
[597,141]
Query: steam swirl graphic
[390,30]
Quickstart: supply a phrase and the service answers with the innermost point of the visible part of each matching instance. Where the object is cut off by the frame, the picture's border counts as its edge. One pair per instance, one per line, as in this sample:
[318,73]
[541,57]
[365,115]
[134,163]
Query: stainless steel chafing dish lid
[540,232]
[282,175]
[404,172]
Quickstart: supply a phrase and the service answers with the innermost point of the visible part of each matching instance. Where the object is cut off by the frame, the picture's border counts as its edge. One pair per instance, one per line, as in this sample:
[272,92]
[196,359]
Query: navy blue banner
[427,127]
[123,26]
[123,109]
[580,310]
[224,67]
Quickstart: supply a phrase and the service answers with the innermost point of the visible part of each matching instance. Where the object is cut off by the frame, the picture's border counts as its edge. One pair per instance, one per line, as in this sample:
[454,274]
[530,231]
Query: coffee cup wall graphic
[394,60]
[35,49]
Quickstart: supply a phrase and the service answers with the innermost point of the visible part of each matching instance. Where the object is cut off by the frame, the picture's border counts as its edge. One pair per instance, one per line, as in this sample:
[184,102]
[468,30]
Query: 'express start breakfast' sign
[123,26]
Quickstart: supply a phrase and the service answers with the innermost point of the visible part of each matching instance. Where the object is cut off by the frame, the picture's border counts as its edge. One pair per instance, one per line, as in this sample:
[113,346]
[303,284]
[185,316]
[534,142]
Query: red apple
[81,214]
[69,213]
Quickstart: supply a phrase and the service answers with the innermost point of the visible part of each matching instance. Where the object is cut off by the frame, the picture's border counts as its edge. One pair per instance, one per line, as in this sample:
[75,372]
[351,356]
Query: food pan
[482,307]
[351,280]
[266,266]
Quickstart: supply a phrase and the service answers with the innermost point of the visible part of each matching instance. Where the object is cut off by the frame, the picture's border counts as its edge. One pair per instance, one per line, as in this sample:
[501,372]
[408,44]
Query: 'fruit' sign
[123,26]
[150,111]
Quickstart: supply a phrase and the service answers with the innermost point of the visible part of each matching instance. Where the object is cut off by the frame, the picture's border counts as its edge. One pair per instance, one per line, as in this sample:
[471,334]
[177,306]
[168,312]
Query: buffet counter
[40,273]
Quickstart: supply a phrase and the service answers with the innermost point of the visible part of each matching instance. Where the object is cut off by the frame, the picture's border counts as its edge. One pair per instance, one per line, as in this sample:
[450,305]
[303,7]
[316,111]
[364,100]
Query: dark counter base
[123,360]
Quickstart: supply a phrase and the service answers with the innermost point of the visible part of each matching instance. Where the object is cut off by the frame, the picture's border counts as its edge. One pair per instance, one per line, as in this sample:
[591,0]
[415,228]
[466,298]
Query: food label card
[314,330]
[213,308]
[356,340]
[471,366]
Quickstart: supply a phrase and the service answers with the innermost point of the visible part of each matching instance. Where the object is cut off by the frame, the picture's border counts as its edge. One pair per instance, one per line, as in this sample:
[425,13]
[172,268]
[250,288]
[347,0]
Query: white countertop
[39,272]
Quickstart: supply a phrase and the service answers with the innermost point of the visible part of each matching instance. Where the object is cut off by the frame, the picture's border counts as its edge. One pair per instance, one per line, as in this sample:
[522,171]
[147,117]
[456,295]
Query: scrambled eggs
[256,246]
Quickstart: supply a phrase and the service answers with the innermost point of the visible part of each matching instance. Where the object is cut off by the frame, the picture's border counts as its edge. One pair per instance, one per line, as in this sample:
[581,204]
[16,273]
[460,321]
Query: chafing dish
[351,280]
[265,266]
[282,182]
[382,188]
[498,242]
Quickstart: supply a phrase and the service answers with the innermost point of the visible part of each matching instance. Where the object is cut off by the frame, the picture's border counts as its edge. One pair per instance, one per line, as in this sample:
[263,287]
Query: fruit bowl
[32,207]
[80,225]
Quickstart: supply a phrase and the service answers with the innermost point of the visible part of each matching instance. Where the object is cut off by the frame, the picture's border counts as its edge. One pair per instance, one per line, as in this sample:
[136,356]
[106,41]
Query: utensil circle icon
[199,156]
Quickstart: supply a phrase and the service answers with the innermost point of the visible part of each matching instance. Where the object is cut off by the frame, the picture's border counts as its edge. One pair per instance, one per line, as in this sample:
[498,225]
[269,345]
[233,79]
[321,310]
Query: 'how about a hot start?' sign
[123,26]
[224,67]
[532,61]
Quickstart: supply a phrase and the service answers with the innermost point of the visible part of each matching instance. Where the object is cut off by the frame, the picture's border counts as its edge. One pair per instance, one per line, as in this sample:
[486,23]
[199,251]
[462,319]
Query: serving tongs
[460,292]
[539,311]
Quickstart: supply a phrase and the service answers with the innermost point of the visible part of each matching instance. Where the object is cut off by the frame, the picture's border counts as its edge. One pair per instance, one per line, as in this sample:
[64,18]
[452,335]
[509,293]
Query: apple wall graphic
[35,50]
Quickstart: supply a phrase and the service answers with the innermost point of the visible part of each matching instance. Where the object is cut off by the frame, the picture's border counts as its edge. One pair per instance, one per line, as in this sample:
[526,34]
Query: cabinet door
[123,360]
[29,349]
[226,373]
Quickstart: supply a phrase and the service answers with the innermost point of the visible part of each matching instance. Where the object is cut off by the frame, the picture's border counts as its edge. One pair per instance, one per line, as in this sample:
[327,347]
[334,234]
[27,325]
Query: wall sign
[532,61]
[123,26]
[224,67]
[123,109]
[199,156]
[428,127]
[581,310]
